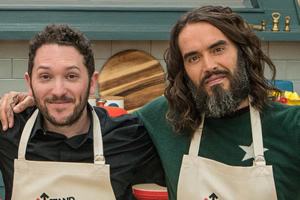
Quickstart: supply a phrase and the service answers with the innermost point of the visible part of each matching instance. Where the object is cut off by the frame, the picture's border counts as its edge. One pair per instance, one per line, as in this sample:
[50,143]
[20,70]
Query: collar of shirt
[74,142]
[237,113]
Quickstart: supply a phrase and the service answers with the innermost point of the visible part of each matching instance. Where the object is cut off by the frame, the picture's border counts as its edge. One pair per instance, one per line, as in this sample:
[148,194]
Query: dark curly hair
[62,35]
[182,113]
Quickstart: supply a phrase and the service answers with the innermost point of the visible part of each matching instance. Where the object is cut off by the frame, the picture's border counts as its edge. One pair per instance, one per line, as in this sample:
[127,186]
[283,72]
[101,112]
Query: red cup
[150,192]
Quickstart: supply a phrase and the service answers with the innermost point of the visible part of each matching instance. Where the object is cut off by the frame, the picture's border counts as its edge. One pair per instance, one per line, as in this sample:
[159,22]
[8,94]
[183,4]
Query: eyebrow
[73,67]
[42,67]
[68,68]
[220,42]
[186,55]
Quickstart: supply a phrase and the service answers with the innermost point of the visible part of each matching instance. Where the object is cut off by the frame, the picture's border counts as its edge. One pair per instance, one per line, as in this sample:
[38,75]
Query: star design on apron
[249,151]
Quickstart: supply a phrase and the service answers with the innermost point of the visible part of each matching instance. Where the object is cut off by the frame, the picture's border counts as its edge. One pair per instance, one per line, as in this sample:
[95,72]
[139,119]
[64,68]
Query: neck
[79,127]
[244,104]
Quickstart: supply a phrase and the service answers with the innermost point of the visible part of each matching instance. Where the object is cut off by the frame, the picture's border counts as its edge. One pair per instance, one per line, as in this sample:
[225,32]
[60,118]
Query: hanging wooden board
[134,75]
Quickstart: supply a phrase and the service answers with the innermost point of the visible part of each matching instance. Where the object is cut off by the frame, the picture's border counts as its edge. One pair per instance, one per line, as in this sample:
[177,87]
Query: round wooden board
[134,75]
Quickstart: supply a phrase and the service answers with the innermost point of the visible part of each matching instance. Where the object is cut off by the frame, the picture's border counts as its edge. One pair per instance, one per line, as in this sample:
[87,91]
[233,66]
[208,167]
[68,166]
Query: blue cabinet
[100,20]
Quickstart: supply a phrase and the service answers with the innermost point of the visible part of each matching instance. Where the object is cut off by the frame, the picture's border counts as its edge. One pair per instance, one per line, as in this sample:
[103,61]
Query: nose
[59,88]
[209,64]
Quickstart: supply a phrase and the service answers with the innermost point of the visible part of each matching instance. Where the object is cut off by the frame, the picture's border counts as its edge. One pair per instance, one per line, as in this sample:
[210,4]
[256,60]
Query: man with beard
[56,151]
[216,131]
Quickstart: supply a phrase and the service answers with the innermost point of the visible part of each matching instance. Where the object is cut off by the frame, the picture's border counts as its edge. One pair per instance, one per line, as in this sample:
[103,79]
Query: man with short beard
[64,148]
[216,131]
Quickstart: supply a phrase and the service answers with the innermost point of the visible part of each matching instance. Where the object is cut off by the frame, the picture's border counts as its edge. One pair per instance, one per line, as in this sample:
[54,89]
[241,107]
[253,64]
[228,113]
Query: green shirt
[224,140]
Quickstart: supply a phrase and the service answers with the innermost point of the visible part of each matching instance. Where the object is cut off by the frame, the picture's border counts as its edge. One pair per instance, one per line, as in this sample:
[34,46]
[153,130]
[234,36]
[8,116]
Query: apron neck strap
[25,135]
[195,142]
[258,147]
[259,159]
[97,137]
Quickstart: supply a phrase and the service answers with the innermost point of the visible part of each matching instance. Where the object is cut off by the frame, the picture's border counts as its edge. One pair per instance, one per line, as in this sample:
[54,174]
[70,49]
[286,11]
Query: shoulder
[160,102]
[126,123]
[20,119]
[285,118]
[25,114]
[281,110]
[155,108]
[106,118]
[153,115]
[9,140]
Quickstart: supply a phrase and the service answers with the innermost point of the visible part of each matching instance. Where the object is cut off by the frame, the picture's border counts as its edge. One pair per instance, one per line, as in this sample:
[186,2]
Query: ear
[28,84]
[94,82]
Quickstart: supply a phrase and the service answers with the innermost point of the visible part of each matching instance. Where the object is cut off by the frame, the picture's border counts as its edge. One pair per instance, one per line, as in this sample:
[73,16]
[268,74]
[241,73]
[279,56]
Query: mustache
[215,72]
[60,99]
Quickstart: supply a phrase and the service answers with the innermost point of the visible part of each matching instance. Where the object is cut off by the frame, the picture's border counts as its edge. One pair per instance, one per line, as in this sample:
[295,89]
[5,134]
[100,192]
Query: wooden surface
[134,75]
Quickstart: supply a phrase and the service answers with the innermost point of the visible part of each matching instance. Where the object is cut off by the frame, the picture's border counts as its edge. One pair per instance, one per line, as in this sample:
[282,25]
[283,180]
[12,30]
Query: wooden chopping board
[134,75]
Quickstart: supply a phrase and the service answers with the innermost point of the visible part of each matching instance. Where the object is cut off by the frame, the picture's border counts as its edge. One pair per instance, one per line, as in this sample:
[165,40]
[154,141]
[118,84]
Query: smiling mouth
[59,102]
[62,100]
[215,79]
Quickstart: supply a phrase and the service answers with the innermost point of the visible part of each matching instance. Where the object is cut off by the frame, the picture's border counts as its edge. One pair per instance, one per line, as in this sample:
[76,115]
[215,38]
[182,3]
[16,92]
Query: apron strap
[195,142]
[25,135]
[97,137]
[259,158]
[98,144]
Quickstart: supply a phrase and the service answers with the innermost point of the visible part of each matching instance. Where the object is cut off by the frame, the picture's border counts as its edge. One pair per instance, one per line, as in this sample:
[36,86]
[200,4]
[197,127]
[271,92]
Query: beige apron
[46,180]
[205,179]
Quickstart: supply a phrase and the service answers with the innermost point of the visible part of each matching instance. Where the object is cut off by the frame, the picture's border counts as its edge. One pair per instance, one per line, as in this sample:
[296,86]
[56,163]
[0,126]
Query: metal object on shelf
[263,24]
[256,27]
[287,23]
[261,27]
[275,16]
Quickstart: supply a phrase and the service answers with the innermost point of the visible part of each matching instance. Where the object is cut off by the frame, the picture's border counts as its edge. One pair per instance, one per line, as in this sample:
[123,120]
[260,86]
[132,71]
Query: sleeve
[9,140]
[131,154]
[149,167]
[152,114]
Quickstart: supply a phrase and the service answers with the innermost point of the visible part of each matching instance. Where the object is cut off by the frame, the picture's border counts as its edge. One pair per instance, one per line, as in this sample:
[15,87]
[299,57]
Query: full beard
[71,118]
[221,101]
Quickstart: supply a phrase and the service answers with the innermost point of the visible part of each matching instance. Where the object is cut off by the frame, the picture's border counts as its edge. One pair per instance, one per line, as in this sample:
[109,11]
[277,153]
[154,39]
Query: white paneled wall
[13,59]
[286,57]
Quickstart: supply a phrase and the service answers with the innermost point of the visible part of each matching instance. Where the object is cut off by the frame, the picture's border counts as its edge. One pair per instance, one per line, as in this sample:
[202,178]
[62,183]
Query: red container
[150,192]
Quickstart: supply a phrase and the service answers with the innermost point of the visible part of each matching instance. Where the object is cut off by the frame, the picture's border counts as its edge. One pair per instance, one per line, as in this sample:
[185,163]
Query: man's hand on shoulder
[13,102]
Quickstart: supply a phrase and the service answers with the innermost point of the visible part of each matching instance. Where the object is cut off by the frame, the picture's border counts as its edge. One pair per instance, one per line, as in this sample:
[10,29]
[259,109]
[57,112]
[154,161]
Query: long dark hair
[182,113]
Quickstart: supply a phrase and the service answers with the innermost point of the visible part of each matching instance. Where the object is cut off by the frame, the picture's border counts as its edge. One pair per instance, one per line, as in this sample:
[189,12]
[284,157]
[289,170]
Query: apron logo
[213,196]
[44,196]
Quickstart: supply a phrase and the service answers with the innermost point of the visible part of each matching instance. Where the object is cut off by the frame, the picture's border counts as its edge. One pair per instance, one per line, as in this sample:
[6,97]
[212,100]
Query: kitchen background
[117,25]
[13,59]
[114,26]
